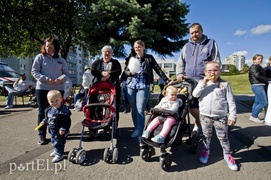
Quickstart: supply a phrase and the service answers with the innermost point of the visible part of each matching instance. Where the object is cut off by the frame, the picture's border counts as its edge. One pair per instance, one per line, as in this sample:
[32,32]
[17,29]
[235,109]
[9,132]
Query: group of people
[199,59]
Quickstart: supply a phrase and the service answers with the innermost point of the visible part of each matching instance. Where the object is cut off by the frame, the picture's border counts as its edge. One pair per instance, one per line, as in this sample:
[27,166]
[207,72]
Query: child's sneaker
[53,154]
[231,162]
[158,139]
[204,157]
[146,134]
[57,158]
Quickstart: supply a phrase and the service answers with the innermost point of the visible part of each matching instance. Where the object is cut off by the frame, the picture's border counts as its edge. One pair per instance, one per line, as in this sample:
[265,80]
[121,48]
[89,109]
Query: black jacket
[257,75]
[115,71]
[148,65]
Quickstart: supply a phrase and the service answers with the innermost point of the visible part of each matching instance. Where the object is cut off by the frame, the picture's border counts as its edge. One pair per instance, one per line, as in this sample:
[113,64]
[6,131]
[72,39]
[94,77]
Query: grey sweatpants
[221,127]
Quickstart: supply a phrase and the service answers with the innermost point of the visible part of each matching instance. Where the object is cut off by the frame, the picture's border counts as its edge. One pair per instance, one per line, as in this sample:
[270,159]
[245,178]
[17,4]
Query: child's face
[172,95]
[55,101]
[212,71]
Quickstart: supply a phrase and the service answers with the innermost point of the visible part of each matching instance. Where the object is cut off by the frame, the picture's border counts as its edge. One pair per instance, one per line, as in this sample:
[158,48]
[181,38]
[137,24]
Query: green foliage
[245,69]
[92,24]
[233,69]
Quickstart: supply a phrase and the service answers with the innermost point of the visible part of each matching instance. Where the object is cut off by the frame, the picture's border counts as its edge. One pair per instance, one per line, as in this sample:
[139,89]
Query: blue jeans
[138,99]
[58,141]
[11,92]
[78,96]
[260,99]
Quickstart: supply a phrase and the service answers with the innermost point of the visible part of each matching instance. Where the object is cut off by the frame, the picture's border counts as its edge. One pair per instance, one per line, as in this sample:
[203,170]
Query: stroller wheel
[72,155]
[165,161]
[106,156]
[80,156]
[146,153]
[115,155]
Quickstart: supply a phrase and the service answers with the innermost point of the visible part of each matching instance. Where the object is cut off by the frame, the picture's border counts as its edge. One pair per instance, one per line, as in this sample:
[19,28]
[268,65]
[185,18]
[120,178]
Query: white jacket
[215,99]
[87,79]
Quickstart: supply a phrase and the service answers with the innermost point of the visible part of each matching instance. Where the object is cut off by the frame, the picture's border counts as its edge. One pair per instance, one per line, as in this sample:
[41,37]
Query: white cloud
[261,29]
[240,32]
[242,53]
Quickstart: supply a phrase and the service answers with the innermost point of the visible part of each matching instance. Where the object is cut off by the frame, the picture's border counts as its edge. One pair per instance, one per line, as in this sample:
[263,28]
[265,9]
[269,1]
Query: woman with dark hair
[50,70]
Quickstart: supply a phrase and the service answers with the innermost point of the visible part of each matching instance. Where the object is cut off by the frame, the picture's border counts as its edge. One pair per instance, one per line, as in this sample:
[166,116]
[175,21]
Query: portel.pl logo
[38,165]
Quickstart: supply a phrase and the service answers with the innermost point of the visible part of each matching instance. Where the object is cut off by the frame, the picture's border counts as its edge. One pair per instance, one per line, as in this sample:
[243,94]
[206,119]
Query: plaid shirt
[138,81]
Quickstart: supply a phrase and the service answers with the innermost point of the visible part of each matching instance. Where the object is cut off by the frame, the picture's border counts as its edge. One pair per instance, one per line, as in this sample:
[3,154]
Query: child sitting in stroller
[169,102]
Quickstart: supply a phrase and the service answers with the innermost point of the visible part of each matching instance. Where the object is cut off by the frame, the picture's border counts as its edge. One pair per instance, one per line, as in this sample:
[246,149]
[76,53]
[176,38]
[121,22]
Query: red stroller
[99,113]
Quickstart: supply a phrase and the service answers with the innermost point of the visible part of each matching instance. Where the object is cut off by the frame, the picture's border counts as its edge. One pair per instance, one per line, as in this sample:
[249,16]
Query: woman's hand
[59,81]
[50,81]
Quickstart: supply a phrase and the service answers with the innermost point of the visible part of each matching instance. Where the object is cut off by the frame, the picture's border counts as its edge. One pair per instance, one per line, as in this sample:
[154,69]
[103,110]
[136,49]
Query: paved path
[22,158]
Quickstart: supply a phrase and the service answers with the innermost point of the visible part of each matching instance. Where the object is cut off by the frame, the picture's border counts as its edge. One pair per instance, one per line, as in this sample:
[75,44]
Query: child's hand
[61,132]
[231,122]
[206,79]
[42,122]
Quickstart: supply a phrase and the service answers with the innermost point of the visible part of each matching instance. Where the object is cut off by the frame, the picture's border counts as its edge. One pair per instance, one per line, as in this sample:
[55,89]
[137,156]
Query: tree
[92,24]
[233,69]
[26,23]
[159,23]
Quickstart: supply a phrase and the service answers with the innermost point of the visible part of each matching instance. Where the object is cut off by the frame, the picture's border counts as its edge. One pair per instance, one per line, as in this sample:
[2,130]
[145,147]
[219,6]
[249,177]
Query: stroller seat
[180,121]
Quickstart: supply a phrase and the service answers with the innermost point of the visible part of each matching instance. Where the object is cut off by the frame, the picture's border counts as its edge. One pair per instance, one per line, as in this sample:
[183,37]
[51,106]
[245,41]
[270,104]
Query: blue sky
[238,26]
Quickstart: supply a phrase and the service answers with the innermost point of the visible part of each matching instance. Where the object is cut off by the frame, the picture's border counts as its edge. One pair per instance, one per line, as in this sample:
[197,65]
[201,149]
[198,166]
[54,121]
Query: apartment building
[237,60]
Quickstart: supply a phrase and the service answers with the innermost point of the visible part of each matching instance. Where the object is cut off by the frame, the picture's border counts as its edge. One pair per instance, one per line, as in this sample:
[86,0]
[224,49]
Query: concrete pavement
[23,158]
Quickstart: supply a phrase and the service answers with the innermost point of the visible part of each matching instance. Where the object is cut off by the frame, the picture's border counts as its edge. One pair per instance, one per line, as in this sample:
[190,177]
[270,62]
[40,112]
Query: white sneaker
[134,134]
[256,120]
[53,154]
[57,158]
[8,107]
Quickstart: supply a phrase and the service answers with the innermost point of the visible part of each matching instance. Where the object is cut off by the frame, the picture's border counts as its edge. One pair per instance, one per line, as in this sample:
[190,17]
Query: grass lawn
[239,83]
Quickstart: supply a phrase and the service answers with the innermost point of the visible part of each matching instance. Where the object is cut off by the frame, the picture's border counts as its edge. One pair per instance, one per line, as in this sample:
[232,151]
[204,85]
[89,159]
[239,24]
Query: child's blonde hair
[212,62]
[171,88]
[53,93]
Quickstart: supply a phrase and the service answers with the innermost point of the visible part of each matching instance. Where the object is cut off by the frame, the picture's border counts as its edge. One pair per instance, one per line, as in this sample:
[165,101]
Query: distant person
[161,82]
[79,95]
[87,80]
[259,81]
[214,91]
[194,55]
[267,68]
[58,119]
[124,95]
[169,102]
[51,71]
[20,86]
[139,77]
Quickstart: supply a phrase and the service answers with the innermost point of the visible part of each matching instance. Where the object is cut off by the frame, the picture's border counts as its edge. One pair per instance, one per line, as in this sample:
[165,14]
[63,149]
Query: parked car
[7,77]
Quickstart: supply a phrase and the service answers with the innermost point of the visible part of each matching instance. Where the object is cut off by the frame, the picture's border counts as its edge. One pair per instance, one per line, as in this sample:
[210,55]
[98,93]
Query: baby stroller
[99,114]
[182,126]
